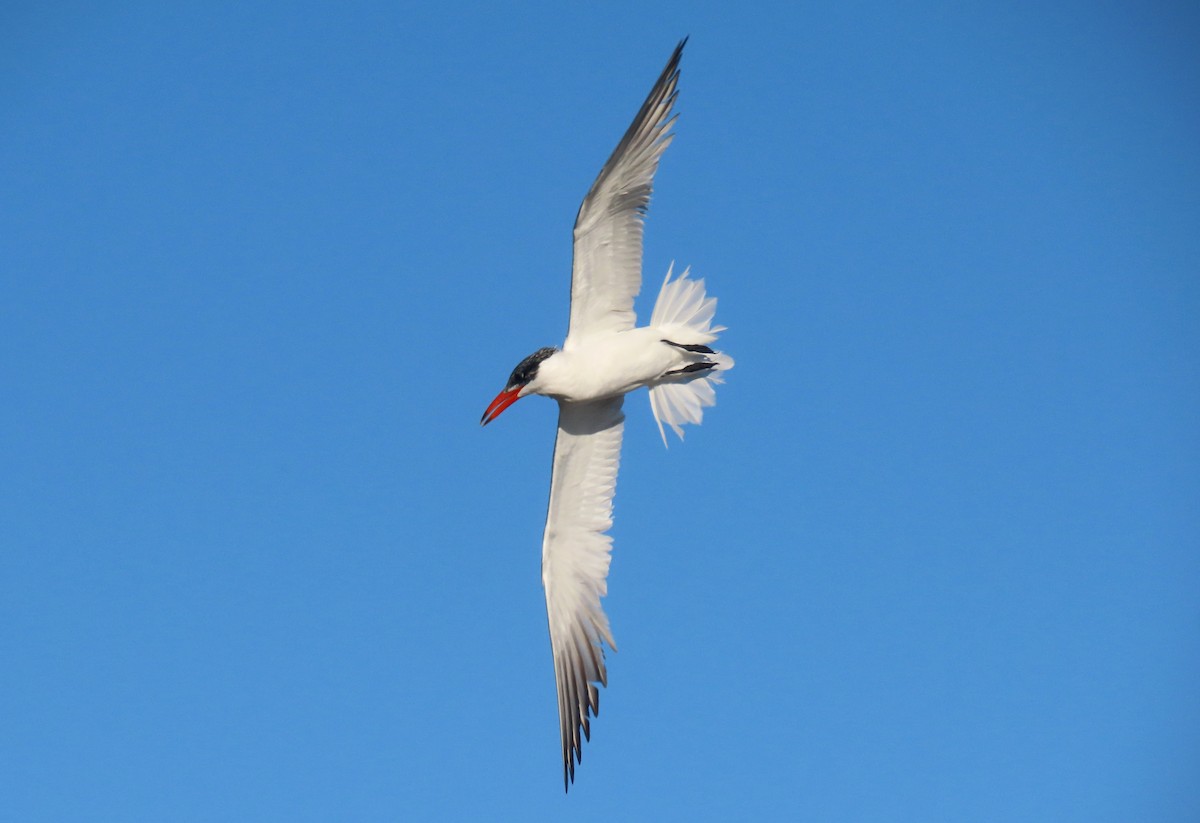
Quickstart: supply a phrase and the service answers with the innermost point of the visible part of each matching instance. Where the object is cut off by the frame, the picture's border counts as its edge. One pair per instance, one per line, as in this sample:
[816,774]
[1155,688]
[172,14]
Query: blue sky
[935,554]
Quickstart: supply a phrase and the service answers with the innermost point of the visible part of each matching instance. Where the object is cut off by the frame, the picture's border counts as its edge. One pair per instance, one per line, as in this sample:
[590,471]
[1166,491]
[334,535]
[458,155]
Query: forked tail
[684,314]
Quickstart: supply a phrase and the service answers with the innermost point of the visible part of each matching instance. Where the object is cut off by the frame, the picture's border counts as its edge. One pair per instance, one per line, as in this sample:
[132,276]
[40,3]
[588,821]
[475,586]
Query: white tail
[684,314]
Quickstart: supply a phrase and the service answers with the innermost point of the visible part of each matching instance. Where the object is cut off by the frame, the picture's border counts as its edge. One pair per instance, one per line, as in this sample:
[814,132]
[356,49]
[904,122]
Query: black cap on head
[527,369]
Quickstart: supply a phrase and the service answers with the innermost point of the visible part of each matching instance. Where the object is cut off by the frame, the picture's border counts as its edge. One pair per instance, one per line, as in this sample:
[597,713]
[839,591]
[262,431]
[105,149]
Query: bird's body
[617,363]
[604,357]
[608,366]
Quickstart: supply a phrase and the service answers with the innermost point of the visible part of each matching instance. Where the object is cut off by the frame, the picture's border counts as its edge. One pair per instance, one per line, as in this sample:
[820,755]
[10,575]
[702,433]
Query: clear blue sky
[935,554]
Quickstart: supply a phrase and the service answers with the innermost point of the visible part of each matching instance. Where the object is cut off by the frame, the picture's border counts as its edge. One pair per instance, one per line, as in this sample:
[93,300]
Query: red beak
[503,400]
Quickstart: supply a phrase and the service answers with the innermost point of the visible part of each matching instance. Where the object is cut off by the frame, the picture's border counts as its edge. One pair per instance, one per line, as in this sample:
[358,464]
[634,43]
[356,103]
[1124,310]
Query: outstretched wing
[607,270]
[575,557]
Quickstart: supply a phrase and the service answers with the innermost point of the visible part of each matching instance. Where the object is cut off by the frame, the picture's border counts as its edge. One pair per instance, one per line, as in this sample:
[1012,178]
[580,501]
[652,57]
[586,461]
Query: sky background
[934,555]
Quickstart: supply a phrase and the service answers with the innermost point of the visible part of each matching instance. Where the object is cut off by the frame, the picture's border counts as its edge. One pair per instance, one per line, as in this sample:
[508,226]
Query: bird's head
[521,382]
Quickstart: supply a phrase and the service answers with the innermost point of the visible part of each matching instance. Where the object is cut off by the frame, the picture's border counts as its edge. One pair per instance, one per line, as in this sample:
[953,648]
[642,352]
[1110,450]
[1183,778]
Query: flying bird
[604,357]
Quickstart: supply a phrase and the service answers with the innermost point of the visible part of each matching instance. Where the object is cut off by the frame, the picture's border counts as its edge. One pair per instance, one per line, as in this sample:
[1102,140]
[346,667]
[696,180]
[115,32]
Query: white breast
[607,365]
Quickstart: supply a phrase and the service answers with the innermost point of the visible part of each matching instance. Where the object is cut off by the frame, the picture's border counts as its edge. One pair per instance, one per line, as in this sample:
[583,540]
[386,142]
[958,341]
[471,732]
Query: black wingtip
[673,63]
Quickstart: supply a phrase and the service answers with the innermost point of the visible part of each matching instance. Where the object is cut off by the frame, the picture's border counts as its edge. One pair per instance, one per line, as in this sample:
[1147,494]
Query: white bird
[603,358]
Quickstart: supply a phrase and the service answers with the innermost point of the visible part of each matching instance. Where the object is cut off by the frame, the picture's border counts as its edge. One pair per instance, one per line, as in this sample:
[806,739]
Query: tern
[604,357]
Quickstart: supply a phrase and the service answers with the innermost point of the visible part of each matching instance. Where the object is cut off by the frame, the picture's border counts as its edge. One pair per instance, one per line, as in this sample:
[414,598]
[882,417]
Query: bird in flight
[604,357]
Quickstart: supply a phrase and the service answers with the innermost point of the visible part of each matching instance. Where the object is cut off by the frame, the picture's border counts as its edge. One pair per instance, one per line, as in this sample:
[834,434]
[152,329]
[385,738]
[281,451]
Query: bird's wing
[575,556]
[607,270]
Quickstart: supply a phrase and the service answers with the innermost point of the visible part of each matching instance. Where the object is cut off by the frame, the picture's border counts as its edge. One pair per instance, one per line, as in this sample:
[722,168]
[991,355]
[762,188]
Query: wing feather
[575,558]
[607,268]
